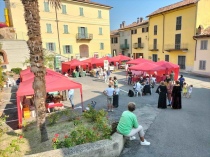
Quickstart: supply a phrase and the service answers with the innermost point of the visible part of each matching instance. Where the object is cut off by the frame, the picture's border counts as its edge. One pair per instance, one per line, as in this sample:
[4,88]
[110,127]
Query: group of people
[103,73]
[168,90]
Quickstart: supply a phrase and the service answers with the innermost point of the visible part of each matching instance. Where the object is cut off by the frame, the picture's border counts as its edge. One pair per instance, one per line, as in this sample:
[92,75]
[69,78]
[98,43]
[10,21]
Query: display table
[52,105]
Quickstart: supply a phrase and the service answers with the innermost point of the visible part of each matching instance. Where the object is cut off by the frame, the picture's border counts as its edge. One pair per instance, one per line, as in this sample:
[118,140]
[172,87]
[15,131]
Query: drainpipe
[195,48]
[163,32]
[58,33]
[131,46]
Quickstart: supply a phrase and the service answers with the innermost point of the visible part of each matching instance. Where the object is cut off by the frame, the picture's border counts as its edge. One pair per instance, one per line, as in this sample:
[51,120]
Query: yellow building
[79,29]
[171,31]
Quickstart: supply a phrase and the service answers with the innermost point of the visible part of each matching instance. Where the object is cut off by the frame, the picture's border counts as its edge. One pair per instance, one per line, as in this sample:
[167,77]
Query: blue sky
[123,10]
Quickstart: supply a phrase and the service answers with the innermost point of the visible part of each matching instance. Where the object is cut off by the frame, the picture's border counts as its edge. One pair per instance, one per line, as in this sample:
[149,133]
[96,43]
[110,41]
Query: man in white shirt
[71,97]
[109,92]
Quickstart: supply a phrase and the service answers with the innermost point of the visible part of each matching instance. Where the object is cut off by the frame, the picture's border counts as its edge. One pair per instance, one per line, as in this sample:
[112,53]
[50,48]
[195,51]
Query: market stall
[54,82]
[67,66]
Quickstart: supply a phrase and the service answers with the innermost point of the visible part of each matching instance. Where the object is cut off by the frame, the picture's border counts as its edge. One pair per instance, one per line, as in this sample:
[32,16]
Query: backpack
[130,93]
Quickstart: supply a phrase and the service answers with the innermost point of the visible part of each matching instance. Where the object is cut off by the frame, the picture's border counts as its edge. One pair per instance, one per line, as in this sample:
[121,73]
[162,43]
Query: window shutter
[71,49]
[99,13]
[54,46]
[63,9]
[81,11]
[86,32]
[47,46]
[47,25]
[79,32]
[46,7]
[64,49]
[65,28]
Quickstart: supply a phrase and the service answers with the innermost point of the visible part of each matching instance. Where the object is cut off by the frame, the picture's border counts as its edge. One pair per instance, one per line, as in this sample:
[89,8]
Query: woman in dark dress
[116,96]
[162,90]
[176,96]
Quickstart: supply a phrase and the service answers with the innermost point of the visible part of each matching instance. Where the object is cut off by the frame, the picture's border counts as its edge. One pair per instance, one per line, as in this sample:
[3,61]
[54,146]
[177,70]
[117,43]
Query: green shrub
[16,70]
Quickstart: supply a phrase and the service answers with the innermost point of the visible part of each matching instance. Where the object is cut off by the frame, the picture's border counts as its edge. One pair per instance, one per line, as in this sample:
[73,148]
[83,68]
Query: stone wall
[103,148]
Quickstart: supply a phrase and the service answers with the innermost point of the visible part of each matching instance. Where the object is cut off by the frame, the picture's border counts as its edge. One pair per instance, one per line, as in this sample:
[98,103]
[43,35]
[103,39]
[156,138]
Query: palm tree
[32,18]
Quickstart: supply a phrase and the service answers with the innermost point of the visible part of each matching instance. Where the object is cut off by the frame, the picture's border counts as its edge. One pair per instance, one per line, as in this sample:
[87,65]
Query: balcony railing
[124,46]
[138,45]
[153,47]
[176,47]
[85,36]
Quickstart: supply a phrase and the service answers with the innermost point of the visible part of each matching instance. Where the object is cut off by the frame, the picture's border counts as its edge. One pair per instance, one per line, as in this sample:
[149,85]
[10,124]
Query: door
[139,55]
[181,61]
[84,50]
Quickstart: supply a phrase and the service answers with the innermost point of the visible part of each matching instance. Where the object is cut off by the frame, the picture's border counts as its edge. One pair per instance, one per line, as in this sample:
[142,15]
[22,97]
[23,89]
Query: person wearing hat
[116,96]
[128,125]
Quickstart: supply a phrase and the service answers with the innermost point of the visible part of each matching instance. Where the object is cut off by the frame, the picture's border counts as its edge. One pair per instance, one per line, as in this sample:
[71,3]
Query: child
[190,91]
[184,89]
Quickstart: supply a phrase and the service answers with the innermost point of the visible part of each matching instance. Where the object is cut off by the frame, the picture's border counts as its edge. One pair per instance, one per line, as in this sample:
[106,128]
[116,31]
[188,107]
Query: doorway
[181,61]
[84,50]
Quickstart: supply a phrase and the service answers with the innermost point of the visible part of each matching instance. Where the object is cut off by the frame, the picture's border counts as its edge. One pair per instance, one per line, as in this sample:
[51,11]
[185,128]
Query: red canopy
[54,82]
[2,25]
[93,60]
[169,67]
[148,67]
[120,58]
[71,64]
[105,58]
[139,61]
[27,74]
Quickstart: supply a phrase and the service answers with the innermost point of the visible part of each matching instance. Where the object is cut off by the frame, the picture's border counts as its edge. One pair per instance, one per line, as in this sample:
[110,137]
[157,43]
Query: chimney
[123,24]
[200,29]
[137,20]
[120,25]
[141,19]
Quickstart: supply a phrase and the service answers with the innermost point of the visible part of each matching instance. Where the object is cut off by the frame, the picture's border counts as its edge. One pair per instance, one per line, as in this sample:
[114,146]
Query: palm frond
[55,3]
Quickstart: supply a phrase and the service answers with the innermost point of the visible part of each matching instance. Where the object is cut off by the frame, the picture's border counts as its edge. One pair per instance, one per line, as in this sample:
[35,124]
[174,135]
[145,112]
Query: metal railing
[176,47]
[138,45]
[124,46]
[153,47]
[85,36]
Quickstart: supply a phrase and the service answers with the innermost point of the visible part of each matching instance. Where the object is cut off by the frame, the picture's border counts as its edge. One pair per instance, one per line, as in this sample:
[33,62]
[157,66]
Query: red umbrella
[167,64]
[105,58]
[2,25]
[74,63]
[120,58]
[139,61]
[146,67]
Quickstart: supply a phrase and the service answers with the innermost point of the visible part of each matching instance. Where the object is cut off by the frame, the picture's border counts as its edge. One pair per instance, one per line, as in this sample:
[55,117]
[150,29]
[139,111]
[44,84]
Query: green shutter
[100,30]
[63,9]
[79,32]
[46,7]
[64,49]
[81,11]
[71,49]
[99,13]
[49,30]
[54,45]
[65,28]
[86,32]
[47,46]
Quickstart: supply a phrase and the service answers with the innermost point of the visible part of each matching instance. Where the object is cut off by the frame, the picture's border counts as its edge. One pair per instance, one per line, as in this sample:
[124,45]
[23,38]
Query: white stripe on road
[124,91]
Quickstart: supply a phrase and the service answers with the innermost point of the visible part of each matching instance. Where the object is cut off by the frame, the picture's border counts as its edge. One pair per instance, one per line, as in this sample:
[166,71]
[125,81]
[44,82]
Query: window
[63,9]
[154,57]
[204,44]
[181,61]
[155,44]
[145,29]
[179,23]
[81,12]
[167,58]
[101,46]
[202,65]
[177,41]
[115,40]
[67,49]
[66,29]
[100,31]
[46,7]
[134,31]
[82,32]
[155,29]
[50,46]
[49,28]
[99,14]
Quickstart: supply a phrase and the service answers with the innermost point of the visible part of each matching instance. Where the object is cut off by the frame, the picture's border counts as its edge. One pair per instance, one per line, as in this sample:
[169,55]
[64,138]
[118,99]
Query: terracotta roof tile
[114,32]
[134,24]
[173,6]
[204,33]
[95,3]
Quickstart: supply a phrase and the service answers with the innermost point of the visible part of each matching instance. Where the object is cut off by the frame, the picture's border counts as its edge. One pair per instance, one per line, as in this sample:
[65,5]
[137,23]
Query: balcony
[153,47]
[176,47]
[138,45]
[85,36]
[124,46]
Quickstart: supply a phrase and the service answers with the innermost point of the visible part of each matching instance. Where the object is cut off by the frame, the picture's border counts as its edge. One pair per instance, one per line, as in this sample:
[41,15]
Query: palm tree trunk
[34,42]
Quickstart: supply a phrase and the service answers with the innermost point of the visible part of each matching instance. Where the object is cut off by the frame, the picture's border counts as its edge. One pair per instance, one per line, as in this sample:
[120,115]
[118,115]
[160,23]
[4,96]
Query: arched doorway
[3,57]
[84,50]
